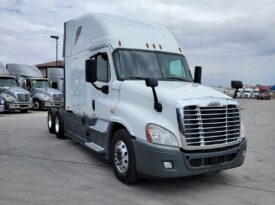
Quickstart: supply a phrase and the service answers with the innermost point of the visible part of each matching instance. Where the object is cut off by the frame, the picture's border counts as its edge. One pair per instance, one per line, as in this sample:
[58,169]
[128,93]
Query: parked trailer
[130,98]
[30,77]
[15,98]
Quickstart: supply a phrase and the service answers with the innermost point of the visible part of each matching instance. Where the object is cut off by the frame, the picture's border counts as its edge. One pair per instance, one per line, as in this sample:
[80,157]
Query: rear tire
[123,157]
[50,120]
[59,125]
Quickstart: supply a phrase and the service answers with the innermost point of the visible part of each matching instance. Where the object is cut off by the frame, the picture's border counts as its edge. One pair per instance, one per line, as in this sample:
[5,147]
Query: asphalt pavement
[37,168]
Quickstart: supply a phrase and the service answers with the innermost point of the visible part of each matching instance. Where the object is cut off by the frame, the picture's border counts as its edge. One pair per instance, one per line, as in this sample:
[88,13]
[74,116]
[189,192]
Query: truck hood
[172,91]
[14,90]
[50,91]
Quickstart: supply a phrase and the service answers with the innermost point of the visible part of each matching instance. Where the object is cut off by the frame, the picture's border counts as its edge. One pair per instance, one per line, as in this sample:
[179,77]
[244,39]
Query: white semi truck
[131,99]
[14,97]
[30,78]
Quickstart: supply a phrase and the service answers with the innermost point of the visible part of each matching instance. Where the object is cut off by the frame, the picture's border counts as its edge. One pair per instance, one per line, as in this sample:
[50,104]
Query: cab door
[103,104]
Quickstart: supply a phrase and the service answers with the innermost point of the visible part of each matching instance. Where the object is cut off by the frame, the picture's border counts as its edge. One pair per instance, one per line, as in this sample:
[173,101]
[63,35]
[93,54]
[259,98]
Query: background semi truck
[30,78]
[131,99]
[15,98]
[56,78]
[264,93]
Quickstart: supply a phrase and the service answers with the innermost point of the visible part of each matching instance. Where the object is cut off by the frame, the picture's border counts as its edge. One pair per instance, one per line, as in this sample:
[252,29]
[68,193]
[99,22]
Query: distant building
[45,66]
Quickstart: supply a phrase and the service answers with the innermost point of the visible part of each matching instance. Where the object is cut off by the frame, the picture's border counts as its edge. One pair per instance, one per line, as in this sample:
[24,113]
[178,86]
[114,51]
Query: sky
[230,39]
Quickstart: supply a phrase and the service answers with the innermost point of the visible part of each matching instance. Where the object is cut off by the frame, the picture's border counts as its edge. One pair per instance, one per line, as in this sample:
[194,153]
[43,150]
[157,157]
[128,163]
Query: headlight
[1,102]
[242,135]
[159,135]
[10,99]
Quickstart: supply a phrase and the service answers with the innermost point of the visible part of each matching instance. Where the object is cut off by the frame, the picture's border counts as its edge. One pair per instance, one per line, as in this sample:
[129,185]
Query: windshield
[8,82]
[137,64]
[40,84]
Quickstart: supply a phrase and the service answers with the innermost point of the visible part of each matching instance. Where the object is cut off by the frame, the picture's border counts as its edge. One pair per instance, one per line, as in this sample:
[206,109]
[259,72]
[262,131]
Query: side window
[28,83]
[103,69]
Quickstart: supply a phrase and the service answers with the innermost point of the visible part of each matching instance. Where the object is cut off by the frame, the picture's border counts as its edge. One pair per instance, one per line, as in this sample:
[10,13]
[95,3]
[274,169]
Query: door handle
[93,105]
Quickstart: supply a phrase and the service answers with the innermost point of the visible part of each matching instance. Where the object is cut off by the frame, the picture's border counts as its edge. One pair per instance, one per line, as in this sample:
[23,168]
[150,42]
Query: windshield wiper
[134,78]
[176,78]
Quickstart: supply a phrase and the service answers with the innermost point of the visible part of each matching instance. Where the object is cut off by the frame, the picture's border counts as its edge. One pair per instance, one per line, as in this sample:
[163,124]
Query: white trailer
[131,99]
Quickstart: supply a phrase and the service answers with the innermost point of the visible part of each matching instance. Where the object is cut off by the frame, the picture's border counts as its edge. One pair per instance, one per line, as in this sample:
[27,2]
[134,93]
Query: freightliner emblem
[214,104]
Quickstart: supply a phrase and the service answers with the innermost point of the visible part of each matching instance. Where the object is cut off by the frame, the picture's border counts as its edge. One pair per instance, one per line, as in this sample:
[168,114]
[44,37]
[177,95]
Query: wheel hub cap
[121,157]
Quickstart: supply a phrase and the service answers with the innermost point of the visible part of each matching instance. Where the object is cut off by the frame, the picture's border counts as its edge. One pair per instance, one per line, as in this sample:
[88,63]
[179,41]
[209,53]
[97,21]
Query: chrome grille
[57,97]
[23,97]
[204,126]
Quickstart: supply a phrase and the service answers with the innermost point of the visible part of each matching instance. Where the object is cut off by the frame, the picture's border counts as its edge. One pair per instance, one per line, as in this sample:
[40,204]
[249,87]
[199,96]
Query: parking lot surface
[37,168]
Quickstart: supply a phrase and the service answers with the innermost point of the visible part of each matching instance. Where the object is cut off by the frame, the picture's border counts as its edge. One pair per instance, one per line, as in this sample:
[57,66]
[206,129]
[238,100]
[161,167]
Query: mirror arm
[235,94]
[96,87]
[104,88]
[157,105]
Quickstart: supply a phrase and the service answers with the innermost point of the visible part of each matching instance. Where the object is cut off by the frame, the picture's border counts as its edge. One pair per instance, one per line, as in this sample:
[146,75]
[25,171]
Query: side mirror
[236,85]
[91,70]
[151,82]
[54,85]
[197,74]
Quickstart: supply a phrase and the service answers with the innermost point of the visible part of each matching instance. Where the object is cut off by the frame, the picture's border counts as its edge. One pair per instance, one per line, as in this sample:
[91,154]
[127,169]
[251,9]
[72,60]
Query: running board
[95,147]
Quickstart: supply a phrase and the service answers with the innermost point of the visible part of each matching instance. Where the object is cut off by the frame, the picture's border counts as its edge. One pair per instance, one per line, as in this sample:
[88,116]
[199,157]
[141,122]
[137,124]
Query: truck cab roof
[24,70]
[92,30]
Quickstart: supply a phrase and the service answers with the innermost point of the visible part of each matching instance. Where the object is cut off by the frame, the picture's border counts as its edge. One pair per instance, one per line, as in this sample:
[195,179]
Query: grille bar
[204,126]
[57,97]
[23,97]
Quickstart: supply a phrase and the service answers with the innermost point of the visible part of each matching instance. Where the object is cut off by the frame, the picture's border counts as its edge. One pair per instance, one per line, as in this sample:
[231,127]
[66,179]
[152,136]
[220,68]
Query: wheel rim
[50,122]
[36,105]
[57,124]
[121,157]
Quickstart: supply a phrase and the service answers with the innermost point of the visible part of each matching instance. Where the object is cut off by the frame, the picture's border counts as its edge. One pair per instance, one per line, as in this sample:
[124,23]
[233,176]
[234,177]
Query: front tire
[59,125]
[123,157]
[37,105]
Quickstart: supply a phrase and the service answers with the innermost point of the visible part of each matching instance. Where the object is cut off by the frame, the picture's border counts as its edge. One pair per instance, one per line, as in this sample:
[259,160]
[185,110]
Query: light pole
[56,39]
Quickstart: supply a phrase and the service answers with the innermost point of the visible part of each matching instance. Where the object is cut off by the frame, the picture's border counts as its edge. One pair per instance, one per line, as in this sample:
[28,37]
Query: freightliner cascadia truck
[131,99]
[15,98]
[30,78]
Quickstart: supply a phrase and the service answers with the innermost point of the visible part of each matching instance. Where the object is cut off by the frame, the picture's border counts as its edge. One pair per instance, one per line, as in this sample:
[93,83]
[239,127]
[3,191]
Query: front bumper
[52,104]
[149,160]
[18,106]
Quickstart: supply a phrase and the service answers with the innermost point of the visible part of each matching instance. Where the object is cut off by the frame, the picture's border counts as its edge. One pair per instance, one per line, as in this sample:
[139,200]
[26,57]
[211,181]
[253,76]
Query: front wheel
[37,105]
[123,157]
